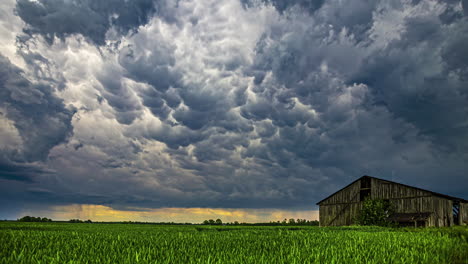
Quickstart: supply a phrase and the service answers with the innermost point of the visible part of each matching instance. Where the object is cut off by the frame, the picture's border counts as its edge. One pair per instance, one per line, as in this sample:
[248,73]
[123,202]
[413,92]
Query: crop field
[140,243]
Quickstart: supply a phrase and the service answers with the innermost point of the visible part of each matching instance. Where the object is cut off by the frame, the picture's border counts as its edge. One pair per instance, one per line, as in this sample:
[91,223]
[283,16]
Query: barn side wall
[464,213]
[412,200]
[346,195]
[341,208]
[338,215]
[443,212]
[388,190]
[413,205]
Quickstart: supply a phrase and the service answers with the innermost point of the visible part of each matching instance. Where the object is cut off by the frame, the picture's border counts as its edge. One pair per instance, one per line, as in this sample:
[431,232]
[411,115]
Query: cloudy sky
[161,110]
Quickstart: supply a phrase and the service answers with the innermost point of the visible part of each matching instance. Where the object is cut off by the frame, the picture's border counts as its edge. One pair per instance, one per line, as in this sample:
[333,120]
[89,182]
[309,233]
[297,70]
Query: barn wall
[341,208]
[464,213]
[339,214]
[413,205]
[443,211]
[411,200]
[432,221]
[439,207]
[346,195]
[344,206]
[388,190]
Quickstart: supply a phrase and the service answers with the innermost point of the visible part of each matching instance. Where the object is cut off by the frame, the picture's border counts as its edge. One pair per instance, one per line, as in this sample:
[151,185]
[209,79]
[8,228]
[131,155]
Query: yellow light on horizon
[177,215]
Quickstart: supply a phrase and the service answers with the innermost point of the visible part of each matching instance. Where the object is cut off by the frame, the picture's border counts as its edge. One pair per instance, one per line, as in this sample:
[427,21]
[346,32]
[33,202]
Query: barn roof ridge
[432,192]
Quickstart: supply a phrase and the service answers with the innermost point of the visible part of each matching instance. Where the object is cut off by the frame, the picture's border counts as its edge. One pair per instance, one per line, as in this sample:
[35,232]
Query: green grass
[119,243]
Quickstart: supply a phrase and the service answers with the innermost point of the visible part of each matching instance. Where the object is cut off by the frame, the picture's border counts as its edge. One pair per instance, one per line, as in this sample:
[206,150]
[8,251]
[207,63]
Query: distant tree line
[34,219]
[218,221]
[298,221]
[213,222]
[151,223]
[45,219]
[79,221]
[285,222]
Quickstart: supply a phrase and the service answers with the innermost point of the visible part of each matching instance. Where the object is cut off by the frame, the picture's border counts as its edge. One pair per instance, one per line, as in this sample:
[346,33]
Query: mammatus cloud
[92,19]
[233,104]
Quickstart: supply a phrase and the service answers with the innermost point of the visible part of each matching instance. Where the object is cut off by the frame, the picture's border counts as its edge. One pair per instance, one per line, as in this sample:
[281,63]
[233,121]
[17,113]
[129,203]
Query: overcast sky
[260,107]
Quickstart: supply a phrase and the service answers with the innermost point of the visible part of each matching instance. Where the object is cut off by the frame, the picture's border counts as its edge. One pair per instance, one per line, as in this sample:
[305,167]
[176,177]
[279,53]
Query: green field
[139,243]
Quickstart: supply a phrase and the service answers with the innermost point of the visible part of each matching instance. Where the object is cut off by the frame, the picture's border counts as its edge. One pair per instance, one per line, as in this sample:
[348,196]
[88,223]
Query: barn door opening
[456,212]
[365,191]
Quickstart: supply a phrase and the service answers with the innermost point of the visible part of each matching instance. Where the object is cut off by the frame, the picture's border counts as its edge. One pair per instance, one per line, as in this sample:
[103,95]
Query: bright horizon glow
[176,215]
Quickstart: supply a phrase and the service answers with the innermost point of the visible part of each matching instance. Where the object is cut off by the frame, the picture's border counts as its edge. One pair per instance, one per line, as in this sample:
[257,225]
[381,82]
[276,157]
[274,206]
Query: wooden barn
[413,206]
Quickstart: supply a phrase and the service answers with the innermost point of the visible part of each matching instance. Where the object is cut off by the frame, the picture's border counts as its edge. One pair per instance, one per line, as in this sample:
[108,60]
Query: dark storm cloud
[422,78]
[282,5]
[405,80]
[175,136]
[118,95]
[92,19]
[41,68]
[318,120]
[153,65]
[272,104]
[154,100]
[153,68]
[407,76]
[207,109]
[40,117]
[19,171]
[354,15]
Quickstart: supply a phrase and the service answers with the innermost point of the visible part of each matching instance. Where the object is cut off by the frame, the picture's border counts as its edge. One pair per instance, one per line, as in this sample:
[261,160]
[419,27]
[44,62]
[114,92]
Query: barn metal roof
[433,193]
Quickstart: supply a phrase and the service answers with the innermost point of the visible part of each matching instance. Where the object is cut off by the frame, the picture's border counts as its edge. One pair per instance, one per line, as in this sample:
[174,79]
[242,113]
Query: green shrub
[375,212]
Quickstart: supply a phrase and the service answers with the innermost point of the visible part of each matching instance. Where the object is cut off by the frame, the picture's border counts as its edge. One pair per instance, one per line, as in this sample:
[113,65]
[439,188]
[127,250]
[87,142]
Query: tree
[33,219]
[210,222]
[219,222]
[313,223]
[375,212]
[25,219]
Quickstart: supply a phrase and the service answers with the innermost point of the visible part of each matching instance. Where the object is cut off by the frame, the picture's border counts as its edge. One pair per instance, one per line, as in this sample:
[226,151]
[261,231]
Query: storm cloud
[40,117]
[92,19]
[232,103]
